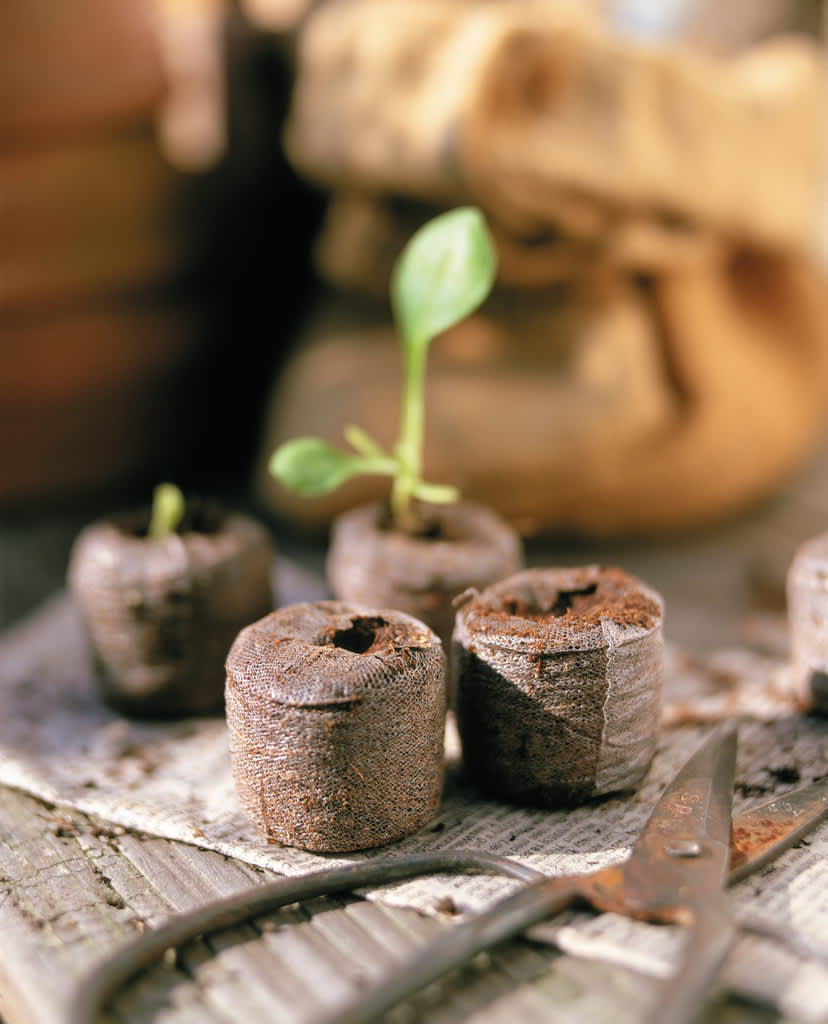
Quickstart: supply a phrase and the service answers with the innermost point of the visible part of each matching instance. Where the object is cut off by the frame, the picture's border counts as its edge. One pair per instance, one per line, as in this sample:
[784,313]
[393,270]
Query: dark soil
[611,597]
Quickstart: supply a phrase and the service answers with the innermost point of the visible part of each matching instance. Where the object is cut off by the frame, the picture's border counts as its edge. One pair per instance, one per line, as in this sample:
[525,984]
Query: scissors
[676,873]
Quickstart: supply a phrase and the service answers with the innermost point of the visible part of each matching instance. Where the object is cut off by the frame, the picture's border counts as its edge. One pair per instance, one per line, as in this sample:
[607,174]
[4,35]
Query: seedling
[168,507]
[444,273]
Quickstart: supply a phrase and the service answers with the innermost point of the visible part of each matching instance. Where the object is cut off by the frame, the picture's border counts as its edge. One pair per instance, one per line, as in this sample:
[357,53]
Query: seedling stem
[444,273]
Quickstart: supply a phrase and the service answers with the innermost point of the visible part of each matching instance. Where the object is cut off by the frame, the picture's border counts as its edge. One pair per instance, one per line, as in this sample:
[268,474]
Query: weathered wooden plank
[185,876]
[229,972]
[303,951]
[400,934]
[55,913]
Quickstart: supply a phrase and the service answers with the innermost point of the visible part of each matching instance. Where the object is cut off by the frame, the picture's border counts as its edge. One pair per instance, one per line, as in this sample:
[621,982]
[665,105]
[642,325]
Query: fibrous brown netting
[336,715]
[559,675]
[162,614]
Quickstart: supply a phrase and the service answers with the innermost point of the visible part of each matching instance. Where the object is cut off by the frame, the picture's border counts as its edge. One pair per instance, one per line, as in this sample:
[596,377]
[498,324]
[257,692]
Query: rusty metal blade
[678,868]
[689,830]
[762,833]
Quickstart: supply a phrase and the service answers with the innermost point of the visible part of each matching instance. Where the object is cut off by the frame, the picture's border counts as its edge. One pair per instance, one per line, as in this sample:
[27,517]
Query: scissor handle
[114,972]
[710,932]
[456,946]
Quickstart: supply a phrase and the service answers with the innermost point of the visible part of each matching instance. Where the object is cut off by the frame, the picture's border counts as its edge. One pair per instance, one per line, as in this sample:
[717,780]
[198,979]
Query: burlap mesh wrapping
[163,614]
[362,235]
[533,108]
[730,143]
[421,575]
[559,678]
[336,717]
[807,596]
[655,353]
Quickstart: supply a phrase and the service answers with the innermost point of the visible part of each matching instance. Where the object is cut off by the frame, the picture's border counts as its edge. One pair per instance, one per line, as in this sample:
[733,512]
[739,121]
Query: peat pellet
[559,678]
[336,716]
[461,545]
[807,594]
[161,614]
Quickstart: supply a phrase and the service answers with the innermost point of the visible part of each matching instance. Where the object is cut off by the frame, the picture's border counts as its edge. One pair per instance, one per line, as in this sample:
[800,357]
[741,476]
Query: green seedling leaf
[168,507]
[444,273]
[309,465]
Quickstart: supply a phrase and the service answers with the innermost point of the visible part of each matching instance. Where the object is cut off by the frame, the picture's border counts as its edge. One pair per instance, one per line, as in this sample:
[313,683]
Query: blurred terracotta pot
[66,68]
[97,396]
[105,214]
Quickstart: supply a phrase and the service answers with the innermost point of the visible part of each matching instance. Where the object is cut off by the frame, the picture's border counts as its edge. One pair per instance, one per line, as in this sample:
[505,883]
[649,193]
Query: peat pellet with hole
[336,715]
[161,614]
[559,677]
[807,598]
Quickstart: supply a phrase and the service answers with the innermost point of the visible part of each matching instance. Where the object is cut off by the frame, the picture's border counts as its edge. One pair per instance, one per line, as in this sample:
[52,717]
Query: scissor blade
[693,814]
[763,832]
[678,869]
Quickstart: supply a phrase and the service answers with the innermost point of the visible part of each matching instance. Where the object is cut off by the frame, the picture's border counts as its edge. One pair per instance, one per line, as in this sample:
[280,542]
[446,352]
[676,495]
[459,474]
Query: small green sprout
[168,506]
[443,274]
